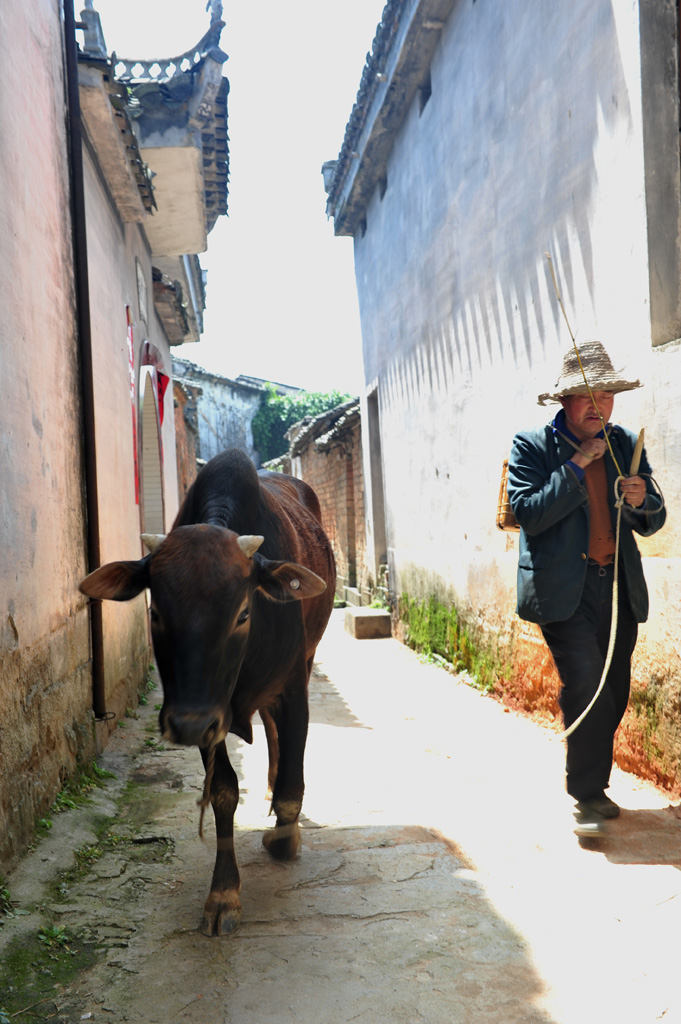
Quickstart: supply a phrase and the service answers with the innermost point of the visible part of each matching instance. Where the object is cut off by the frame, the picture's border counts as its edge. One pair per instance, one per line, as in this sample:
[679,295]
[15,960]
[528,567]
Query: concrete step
[367,623]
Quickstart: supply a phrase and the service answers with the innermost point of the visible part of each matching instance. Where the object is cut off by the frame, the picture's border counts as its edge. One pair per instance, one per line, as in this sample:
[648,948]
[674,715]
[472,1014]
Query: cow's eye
[243,615]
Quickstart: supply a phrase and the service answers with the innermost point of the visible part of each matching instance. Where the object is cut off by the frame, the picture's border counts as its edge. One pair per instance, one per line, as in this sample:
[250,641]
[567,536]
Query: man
[561,486]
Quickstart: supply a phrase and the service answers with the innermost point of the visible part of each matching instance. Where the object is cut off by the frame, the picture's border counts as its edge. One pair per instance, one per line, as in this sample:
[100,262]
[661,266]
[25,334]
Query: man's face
[582,419]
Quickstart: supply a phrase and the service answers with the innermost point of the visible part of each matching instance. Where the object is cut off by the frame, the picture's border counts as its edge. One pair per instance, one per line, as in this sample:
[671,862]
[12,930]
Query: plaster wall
[532,141]
[45,686]
[225,411]
[179,226]
[114,251]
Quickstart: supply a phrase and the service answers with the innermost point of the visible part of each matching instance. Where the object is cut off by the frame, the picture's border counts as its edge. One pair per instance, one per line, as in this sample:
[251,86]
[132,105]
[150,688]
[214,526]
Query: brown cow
[241,591]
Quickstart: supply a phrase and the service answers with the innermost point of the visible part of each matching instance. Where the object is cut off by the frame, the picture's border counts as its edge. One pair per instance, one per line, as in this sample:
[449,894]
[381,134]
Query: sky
[281,302]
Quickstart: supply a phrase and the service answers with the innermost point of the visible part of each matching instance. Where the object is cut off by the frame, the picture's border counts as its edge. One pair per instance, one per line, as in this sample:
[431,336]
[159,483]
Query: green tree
[278,412]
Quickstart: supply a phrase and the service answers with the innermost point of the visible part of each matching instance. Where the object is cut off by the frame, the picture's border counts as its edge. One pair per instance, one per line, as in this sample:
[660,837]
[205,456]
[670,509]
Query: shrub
[279,412]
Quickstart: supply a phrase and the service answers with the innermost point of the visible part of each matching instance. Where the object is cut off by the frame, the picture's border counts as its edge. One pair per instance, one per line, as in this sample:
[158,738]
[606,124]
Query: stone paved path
[439,880]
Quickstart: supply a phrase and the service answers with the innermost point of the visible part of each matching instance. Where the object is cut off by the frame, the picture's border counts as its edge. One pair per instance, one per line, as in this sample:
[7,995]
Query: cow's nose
[192,728]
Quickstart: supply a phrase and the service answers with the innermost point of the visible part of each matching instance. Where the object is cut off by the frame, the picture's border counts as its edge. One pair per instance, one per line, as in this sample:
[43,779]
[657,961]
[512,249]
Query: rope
[576,446]
[619,502]
[579,360]
[205,798]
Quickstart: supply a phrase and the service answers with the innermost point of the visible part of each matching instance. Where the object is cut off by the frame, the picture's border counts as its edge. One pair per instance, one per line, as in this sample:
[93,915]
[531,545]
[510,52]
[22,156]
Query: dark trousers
[579,647]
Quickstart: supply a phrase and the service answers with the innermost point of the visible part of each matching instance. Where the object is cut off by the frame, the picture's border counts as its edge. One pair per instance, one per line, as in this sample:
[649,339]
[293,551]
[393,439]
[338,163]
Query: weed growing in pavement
[147,686]
[86,857]
[5,902]
[154,744]
[53,935]
[153,740]
[149,683]
[75,791]
[7,906]
[35,968]
[41,828]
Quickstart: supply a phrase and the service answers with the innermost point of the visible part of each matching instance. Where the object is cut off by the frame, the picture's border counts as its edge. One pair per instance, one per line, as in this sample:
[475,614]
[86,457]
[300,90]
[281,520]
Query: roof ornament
[215,8]
[137,72]
[93,37]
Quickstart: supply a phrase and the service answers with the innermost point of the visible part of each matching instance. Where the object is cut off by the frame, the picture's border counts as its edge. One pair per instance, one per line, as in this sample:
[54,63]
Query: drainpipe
[75,143]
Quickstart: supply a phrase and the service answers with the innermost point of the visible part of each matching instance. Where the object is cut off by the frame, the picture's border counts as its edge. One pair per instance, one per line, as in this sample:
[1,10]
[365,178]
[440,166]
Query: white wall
[531,141]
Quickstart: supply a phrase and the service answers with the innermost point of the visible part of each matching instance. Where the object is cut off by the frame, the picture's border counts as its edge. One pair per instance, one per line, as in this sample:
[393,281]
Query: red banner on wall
[162,387]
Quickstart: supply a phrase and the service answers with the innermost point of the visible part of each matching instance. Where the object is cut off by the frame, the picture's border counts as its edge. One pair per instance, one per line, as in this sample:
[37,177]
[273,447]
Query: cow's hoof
[221,914]
[283,842]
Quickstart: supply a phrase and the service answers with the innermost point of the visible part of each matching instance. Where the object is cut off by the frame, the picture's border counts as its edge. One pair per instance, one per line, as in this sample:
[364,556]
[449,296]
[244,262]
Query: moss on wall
[441,630]
[649,739]
[522,675]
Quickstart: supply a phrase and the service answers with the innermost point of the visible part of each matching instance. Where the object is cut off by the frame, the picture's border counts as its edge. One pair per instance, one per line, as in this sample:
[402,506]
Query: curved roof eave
[399,62]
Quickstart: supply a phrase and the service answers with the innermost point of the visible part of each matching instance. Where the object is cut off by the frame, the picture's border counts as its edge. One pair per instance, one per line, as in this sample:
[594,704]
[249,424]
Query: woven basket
[505,518]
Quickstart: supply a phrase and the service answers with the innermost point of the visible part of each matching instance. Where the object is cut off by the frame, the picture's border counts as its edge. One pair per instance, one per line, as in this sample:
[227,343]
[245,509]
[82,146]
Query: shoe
[602,805]
[589,823]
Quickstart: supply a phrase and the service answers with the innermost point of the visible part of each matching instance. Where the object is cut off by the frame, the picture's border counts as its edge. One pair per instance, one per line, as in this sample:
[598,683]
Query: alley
[439,879]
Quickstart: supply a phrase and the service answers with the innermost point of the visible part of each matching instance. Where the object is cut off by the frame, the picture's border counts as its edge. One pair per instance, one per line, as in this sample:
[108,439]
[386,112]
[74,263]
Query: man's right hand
[593,448]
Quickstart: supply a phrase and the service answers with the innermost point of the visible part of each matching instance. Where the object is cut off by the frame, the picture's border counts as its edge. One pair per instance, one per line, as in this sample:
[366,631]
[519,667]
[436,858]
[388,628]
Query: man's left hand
[633,490]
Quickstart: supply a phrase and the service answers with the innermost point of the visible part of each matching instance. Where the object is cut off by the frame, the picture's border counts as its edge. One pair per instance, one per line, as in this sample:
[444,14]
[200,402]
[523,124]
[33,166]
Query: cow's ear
[117,581]
[286,581]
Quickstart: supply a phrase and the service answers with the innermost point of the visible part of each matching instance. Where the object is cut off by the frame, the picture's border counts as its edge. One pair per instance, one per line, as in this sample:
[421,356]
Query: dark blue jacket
[551,505]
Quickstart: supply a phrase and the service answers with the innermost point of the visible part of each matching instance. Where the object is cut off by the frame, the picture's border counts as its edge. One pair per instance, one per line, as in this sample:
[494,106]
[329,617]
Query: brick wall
[332,465]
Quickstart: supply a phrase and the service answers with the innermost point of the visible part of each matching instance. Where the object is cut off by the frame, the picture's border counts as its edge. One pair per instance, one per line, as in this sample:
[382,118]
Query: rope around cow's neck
[205,798]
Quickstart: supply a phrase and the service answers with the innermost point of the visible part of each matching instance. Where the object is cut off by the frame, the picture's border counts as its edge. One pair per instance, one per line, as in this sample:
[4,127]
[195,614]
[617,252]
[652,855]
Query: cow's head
[202,580]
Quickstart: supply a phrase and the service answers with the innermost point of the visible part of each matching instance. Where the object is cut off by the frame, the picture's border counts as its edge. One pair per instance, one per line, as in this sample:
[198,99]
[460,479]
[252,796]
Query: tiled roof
[169,83]
[370,81]
[396,69]
[118,98]
[324,430]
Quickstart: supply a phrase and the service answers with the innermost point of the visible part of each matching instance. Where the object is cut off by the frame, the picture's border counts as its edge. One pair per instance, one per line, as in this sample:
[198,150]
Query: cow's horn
[152,540]
[249,544]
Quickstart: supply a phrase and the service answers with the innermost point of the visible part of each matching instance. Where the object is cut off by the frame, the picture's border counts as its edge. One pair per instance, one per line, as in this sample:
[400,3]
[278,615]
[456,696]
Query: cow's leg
[222,909]
[272,748]
[291,717]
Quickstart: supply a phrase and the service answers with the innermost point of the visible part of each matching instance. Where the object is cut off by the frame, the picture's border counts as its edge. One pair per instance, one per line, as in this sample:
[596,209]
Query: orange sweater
[601,536]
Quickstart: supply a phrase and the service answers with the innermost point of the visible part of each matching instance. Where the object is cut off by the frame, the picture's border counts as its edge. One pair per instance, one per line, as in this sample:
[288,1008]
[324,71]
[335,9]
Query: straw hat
[598,369]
